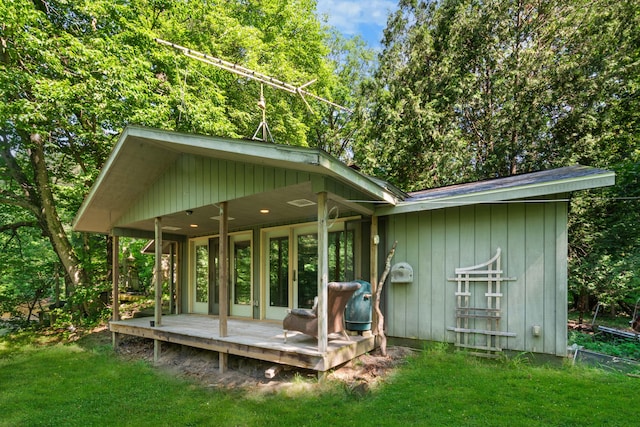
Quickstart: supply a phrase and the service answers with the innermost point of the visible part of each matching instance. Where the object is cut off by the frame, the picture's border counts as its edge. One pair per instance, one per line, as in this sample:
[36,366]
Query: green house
[276,223]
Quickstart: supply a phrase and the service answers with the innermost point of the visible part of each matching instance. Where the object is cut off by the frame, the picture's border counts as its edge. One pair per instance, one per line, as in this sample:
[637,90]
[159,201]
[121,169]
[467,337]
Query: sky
[366,18]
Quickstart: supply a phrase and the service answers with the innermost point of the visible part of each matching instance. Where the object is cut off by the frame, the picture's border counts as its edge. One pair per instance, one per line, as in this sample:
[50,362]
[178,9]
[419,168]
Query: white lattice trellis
[480,338]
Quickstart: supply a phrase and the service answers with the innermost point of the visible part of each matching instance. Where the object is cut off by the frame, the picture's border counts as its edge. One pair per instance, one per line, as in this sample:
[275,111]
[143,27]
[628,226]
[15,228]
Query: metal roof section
[525,186]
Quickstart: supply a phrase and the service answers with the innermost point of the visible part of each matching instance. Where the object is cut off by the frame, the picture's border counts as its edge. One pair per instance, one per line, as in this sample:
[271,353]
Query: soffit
[245,213]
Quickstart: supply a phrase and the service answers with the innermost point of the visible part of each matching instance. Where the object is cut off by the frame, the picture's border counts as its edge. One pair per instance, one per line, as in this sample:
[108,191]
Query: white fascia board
[258,152]
[567,185]
[101,177]
[345,173]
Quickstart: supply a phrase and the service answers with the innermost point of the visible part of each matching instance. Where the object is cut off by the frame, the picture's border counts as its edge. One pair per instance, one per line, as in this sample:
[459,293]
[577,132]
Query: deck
[262,340]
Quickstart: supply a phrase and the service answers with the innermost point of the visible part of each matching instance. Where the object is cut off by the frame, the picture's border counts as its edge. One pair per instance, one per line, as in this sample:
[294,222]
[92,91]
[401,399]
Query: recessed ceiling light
[264,211]
[301,203]
[193,225]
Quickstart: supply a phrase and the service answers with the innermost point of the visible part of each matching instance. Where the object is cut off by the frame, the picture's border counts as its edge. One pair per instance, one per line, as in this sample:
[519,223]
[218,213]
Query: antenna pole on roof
[262,104]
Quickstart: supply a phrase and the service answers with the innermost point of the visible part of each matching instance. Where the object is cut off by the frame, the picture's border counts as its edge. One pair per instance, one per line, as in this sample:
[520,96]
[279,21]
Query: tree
[604,246]
[469,90]
[73,74]
[334,129]
[28,270]
[605,242]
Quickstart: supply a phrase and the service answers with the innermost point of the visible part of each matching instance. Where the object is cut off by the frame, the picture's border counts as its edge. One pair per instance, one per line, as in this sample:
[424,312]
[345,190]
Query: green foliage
[139,263]
[469,90]
[605,241]
[74,74]
[336,130]
[27,274]
[436,347]
[620,348]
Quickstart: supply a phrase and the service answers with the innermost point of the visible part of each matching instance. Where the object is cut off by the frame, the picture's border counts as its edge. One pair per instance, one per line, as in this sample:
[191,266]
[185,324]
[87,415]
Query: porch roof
[142,155]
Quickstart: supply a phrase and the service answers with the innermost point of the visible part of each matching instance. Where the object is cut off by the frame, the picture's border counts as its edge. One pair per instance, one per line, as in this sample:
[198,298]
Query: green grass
[85,385]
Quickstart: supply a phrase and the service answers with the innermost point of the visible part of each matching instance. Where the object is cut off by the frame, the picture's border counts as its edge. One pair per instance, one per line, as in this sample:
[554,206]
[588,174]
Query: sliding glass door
[292,266]
[341,262]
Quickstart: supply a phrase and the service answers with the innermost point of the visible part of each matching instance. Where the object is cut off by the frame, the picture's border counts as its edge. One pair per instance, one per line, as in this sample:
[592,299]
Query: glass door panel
[200,290]
[307,270]
[241,278]
[341,257]
[214,275]
[277,277]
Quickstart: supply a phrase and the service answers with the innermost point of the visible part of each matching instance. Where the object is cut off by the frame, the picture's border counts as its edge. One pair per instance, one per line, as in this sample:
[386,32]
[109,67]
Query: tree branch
[10,199]
[18,175]
[41,5]
[380,327]
[15,226]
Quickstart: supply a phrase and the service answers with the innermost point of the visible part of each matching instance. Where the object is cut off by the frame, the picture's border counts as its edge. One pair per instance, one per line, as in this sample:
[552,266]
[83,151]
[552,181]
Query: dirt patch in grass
[359,375]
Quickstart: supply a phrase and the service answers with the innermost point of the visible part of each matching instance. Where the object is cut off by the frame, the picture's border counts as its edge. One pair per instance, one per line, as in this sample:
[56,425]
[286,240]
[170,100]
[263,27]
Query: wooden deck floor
[262,340]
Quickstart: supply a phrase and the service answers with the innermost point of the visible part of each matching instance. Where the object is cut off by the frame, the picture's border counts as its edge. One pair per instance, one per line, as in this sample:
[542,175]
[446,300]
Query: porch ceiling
[245,212]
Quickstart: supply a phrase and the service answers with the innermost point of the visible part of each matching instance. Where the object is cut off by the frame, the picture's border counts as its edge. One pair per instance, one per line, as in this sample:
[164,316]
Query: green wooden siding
[533,239]
[195,181]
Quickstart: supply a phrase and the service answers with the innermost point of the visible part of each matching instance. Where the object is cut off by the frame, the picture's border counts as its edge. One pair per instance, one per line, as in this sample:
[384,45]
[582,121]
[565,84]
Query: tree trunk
[48,216]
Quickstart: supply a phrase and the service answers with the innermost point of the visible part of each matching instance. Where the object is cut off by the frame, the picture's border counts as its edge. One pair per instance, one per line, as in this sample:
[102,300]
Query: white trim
[529,191]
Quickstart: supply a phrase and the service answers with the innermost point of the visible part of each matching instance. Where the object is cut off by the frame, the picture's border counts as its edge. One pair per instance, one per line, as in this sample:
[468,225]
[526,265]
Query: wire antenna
[254,75]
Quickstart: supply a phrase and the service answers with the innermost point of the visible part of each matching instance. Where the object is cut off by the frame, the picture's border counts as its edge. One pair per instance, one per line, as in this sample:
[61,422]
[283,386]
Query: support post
[156,351]
[158,287]
[158,272]
[115,273]
[224,268]
[323,272]
[373,262]
[223,280]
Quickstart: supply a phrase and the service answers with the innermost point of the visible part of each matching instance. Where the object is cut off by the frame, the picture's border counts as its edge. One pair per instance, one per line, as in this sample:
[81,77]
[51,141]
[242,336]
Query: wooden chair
[306,320]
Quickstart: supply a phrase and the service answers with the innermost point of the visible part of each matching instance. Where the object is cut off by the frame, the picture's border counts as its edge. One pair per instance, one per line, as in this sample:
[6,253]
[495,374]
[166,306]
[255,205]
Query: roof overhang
[518,187]
[141,155]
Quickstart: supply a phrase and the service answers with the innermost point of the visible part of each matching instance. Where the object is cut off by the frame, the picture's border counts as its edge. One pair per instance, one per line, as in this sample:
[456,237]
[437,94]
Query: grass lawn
[85,385]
